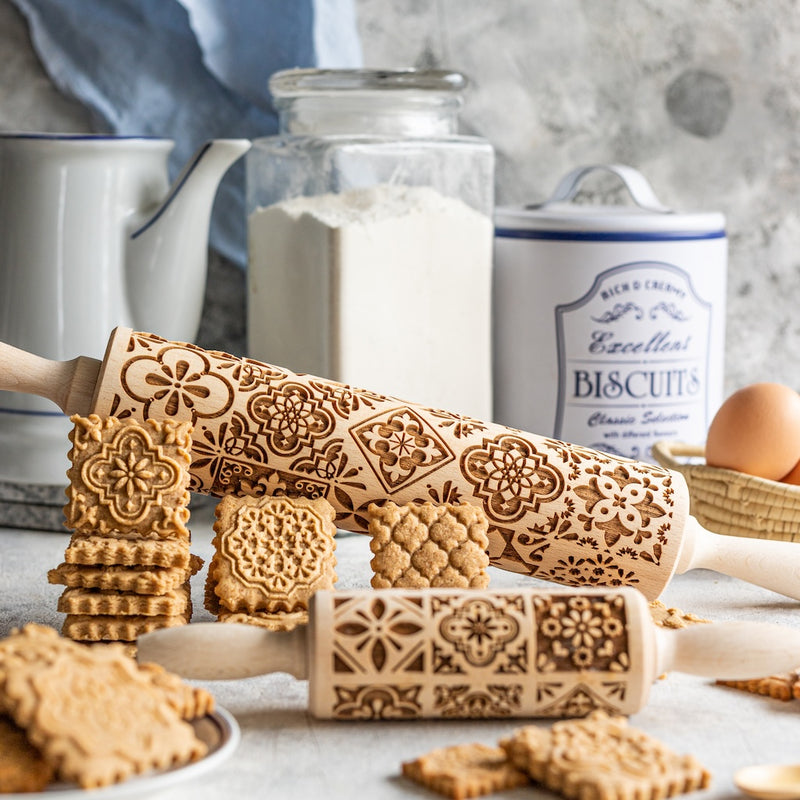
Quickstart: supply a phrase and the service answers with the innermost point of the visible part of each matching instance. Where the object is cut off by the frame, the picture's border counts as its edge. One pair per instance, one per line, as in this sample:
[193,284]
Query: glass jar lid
[294,82]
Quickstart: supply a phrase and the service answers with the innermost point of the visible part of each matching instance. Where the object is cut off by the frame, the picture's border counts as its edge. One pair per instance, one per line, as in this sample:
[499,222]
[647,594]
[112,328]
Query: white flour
[386,288]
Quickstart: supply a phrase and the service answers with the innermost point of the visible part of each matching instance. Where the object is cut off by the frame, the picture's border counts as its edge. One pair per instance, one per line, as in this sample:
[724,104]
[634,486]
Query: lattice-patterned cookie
[779,687]
[109,601]
[22,768]
[127,476]
[271,620]
[666,617]
[602,757]
[108,628]
[91,712]
[421,545]
[141,580]
[464,771]
[108,551]
[272,553]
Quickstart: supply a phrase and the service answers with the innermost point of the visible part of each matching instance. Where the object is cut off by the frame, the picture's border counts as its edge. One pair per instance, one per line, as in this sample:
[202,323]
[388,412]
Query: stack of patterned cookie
[127,566]
[271,555]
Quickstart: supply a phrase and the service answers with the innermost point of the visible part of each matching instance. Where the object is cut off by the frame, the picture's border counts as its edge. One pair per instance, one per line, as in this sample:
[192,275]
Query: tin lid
[559,218]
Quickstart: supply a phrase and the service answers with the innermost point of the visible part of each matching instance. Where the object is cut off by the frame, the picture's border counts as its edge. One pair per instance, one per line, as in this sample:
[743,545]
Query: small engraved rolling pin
[556,511]
[404,654]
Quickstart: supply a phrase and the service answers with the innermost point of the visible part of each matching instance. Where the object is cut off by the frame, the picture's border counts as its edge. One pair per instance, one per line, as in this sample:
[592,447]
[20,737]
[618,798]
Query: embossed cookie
[467,770]
[272,553]
[271,620]
[141,580]
[127,476]
[110,601]
[22,768]
[421,545]
[91,712]
[107,628]
[107,550]
[602,757]
[785,686]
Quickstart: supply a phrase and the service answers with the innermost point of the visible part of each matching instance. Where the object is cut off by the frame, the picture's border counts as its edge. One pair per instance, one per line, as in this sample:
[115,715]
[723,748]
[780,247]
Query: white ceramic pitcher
[92,236]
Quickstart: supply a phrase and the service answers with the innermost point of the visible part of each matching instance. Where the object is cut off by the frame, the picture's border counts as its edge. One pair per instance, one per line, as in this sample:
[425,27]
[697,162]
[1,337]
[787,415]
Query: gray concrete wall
[703,96]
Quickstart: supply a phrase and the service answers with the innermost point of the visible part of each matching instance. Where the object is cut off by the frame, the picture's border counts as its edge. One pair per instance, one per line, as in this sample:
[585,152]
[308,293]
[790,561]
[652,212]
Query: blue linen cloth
[189,70]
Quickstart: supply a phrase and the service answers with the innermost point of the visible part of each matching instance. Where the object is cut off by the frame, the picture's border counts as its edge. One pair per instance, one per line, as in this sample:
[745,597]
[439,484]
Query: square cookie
[466,770]
[108,551]
[602,757]
[422,545]
[271,553]
[126,476]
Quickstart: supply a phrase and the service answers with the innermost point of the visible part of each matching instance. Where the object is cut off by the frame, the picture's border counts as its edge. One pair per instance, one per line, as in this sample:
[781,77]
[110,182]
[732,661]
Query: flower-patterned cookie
[271,553]
[129,477]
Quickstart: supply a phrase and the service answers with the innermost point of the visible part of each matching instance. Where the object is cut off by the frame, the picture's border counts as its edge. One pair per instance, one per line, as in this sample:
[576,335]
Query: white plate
[218,730]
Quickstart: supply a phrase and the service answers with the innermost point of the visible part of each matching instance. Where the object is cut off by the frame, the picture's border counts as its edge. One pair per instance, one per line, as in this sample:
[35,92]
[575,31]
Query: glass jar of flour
[370,237]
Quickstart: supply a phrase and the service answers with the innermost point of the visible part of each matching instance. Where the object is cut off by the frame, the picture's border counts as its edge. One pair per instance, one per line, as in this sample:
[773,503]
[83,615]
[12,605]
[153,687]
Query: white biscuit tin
[609,321]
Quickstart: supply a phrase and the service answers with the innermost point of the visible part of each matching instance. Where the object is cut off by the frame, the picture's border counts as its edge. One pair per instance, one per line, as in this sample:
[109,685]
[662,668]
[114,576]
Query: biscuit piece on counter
[270,555]
[602,757]
[465,770]
[420,545]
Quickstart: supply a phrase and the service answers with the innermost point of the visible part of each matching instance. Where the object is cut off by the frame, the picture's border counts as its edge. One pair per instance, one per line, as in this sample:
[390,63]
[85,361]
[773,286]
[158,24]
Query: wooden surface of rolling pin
[405,654]
[557,511]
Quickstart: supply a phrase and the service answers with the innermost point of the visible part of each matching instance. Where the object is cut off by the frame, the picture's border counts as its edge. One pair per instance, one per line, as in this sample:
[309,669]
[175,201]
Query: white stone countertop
[285,753]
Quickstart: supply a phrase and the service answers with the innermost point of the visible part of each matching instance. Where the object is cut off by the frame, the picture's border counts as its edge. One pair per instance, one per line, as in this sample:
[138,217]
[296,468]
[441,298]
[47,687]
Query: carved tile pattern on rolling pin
[556,511]
[440,655]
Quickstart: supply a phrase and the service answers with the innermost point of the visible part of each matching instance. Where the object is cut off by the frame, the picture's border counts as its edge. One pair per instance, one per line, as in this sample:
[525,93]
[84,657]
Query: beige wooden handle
[729,650]
[399,654]
[559,512]
[69,384]
[773,565]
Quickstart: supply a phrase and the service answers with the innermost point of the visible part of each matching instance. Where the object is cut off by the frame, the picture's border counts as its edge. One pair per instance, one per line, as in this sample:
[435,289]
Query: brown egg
[757,431]
[793,476]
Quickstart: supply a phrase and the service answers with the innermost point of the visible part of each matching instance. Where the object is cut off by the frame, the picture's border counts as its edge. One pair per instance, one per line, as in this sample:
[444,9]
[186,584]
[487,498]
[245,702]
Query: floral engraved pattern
[579,632]
[479,630]
[470,702]
[400,447]
[377,702]
[177,383]
[511,477]
[377,637]
[621,504]
[459,425]
[290,417]
[130,476]
[344,399]
[493,654]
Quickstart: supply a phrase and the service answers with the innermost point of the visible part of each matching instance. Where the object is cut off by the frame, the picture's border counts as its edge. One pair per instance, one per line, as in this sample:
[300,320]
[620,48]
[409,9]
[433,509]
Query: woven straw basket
[731,502]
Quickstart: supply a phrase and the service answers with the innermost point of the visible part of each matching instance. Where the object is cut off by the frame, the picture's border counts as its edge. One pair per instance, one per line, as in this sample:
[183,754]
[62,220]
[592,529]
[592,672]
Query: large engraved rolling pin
[401,654]
[556,511]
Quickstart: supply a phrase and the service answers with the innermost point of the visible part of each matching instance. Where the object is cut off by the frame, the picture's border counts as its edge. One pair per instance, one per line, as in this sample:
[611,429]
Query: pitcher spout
[167,251]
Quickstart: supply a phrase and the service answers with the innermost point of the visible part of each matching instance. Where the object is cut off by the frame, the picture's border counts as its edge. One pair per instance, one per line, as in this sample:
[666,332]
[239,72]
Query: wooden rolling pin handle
[729,650]
[69,384]
[770,564]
